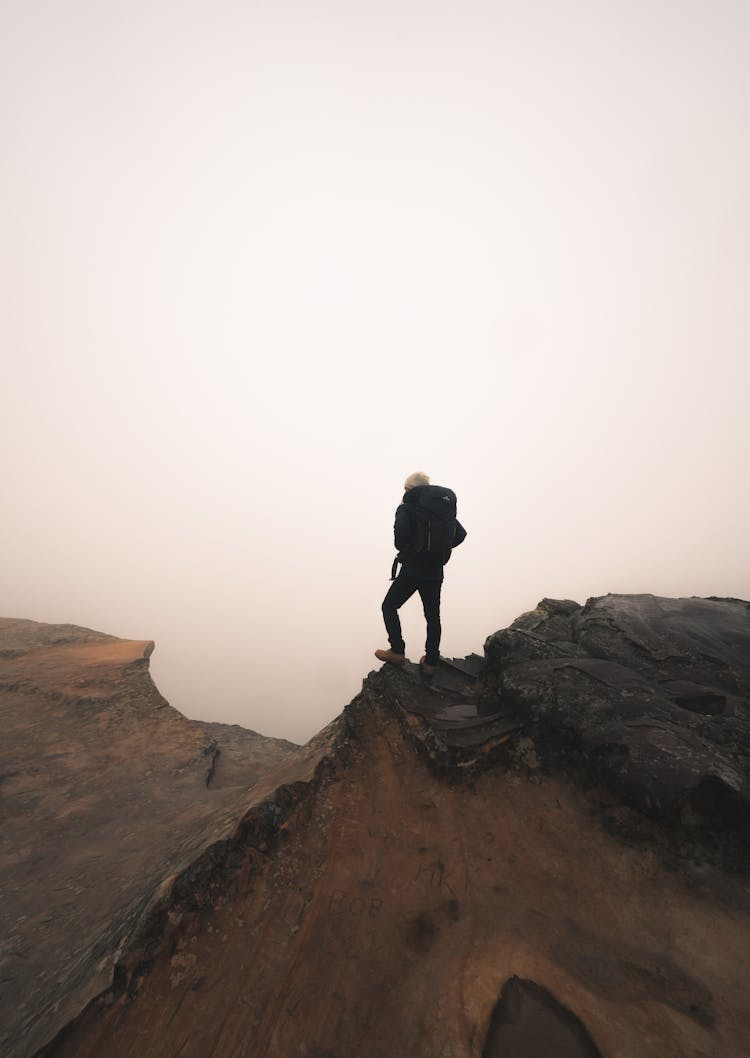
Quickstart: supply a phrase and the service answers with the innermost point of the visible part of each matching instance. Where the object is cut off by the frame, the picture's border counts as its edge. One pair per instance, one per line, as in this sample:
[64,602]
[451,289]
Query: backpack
[435,524]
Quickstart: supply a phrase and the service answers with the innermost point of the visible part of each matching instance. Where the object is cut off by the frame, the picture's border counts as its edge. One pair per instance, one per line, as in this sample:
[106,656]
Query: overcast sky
[260,261]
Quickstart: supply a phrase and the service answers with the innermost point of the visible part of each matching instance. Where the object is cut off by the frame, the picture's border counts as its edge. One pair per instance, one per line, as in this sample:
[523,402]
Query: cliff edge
[105,789]
[544,851]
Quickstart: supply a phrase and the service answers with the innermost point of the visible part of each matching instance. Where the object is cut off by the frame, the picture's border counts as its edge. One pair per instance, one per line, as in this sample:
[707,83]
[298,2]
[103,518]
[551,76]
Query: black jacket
[404,528]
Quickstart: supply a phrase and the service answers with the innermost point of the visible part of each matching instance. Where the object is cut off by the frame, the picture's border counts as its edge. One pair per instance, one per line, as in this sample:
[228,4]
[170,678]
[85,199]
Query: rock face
[105,790]
[650,695]
[542,853]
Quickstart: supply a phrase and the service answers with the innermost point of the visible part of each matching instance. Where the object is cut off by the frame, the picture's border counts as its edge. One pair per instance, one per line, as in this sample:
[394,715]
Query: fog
[260,261]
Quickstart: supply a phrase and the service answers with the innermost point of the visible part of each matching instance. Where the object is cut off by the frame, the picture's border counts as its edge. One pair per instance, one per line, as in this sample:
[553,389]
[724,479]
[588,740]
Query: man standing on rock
[424,532]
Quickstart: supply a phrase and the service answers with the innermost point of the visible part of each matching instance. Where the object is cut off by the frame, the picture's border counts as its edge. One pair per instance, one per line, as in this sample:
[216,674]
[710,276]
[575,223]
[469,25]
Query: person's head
[417,478]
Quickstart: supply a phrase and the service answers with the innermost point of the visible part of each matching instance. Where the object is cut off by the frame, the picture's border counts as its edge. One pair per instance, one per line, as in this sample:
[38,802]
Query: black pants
[429,592]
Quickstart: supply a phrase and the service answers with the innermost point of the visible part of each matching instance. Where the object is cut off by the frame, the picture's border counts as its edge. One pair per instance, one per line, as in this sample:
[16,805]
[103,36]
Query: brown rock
[104,793]
[446,871]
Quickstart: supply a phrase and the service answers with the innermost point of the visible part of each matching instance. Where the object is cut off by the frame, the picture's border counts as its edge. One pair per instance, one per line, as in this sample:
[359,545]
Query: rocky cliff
[545,852]
[104,791]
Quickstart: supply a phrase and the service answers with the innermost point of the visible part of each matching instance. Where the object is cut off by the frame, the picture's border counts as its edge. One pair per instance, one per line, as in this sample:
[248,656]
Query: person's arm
[402,528]
[460,534]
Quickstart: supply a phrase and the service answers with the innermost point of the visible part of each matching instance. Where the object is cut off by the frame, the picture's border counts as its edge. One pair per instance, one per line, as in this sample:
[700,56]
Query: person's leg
[430,596]
[402,589]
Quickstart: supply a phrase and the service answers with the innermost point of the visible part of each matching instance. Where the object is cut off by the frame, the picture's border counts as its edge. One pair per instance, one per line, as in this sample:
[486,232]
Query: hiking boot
[428,671]
[390,656]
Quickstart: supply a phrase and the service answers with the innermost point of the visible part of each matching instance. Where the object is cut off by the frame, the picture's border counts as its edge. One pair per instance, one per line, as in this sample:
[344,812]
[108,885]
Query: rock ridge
[546,836]
[104,793]
[351,896]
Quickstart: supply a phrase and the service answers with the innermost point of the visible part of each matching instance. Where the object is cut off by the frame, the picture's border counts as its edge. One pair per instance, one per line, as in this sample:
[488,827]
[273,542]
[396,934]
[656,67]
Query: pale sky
[260,261]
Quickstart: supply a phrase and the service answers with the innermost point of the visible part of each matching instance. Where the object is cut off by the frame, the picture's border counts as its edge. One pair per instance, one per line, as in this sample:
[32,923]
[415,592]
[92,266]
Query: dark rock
[528,1022]
[652,695]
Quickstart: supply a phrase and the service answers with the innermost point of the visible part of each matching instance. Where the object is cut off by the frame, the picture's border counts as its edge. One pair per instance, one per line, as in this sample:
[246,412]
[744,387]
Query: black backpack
[436,524]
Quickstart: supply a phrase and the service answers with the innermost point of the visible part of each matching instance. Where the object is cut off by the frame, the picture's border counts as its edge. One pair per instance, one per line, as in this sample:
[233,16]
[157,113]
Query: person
[420,572]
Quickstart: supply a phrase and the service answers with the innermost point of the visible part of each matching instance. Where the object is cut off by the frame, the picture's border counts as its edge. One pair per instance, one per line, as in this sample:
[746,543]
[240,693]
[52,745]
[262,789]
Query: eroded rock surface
[514,860]
[443,878]
[104,791]
[651,695]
